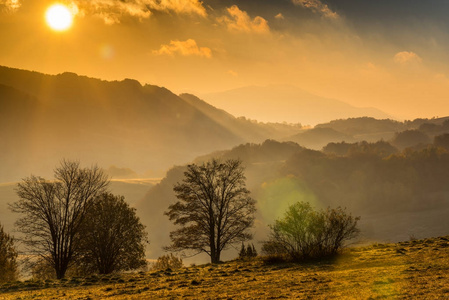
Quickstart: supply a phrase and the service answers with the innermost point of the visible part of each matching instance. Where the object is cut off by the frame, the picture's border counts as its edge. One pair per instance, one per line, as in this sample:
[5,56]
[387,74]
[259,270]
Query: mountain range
[288,103]
[44,118]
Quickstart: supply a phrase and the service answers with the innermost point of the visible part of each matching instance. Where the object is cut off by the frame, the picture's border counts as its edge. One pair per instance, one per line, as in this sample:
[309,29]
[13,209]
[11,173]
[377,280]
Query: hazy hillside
[243,127]
[397,194]
[318,137]
[46,118]
[365,128]
[415,134]
[288,103]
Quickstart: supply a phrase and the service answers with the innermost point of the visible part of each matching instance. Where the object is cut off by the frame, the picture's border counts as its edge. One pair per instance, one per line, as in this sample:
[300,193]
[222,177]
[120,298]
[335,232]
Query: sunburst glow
[59,17]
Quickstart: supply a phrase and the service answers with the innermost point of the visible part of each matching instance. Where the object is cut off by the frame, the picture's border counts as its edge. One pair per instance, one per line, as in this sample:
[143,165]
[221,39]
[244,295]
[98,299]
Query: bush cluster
[304,233]
[168,261]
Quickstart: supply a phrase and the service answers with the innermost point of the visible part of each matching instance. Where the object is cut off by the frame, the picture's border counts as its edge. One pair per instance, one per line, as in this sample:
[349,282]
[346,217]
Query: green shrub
[168,261]
[305,233]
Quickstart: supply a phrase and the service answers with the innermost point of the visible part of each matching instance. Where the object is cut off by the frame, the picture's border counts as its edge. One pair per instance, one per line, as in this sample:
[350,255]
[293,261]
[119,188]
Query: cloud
[184,48]
[181,6]
[279,16]
[10,5]
[240,21]
[112,11]
[405,57]
[317,7]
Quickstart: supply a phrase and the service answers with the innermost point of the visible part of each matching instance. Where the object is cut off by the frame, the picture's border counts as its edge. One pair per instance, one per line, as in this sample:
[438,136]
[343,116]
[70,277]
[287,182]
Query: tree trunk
[215,258]
[60,273]
[213,255]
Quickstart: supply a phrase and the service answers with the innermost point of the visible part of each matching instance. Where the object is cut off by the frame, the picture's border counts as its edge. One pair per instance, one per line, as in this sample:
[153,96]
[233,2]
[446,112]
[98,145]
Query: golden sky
[392,55]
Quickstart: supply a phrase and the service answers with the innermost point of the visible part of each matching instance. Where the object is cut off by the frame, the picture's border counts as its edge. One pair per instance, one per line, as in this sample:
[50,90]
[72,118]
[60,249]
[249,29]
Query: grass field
[408,270]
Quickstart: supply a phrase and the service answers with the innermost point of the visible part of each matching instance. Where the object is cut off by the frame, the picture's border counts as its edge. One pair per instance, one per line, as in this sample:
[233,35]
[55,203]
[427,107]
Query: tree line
[72,224]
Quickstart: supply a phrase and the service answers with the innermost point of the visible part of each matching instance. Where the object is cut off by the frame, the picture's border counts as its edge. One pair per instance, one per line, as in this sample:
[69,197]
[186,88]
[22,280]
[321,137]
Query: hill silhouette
[408,134]
[288,103]
[246,129]
[123,123]
[318,137]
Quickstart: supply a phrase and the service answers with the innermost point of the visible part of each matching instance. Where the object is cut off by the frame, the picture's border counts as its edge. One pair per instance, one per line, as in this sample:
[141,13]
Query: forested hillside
[417,133]
[398,194]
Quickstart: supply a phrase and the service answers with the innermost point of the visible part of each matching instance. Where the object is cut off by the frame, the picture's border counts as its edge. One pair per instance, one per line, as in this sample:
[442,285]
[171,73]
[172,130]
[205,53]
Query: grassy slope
[416,269]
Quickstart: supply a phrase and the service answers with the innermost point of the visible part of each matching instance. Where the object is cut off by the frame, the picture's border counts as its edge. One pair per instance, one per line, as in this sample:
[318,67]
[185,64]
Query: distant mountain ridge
[45,118]
[369,129]
[288,103]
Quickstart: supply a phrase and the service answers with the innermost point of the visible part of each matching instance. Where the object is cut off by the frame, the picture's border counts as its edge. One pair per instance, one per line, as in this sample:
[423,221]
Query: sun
[59,17]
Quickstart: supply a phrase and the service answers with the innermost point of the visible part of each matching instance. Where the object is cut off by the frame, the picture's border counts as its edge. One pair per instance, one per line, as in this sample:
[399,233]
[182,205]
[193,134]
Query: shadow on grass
[286,261]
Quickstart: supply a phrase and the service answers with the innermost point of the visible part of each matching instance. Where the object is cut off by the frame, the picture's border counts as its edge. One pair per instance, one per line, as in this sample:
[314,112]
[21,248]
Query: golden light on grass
[406,270]
[59,17]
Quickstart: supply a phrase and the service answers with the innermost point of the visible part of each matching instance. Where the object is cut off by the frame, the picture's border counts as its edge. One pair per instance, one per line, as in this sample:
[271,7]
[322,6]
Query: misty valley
[211,149]
[387,179]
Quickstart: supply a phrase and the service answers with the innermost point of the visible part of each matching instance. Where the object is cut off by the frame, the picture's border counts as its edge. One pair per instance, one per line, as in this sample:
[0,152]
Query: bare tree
[52,211]
[8,257]
[214,211]
[112,237]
